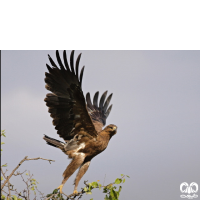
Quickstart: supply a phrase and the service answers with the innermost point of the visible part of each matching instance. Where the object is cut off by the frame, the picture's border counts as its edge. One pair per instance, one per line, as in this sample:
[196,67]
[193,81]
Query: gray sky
[156,106]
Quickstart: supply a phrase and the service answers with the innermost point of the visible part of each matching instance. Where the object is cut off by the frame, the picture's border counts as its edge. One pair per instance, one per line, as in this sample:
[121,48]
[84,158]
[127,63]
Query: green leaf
[32,188]
[91,199]
[1,178]
[55,191]
[122,174]
[59,195]
[109,186]
[85,189]
[2,142]
[27,174]
[3,133]
[94,184]
[117,193]
[128,176]
[3,197]
[5,165]
[88,192]
[118,181]
[120,188]
[105,190]
[113,193]
[14,197]
[124,180]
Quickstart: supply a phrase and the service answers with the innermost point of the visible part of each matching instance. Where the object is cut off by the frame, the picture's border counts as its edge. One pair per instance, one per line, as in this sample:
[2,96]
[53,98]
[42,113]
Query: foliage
[111,190]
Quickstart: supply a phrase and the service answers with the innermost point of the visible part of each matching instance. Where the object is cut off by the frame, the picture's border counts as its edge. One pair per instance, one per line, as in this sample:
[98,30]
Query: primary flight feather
[77,120]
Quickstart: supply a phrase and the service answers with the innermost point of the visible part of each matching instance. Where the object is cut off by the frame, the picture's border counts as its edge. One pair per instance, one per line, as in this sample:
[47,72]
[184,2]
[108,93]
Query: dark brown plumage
[78,123]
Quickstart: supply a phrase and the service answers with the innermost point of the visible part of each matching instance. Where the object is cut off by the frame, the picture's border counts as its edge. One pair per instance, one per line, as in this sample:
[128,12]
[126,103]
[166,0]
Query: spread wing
[66,102]
[99,113]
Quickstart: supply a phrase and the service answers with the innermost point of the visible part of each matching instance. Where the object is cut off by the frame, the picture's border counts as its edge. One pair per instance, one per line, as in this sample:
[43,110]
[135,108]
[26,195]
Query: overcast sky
[156,106]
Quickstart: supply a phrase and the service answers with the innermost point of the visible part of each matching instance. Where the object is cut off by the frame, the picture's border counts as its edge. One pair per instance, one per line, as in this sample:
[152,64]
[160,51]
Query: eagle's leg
[71,168]
[83,168]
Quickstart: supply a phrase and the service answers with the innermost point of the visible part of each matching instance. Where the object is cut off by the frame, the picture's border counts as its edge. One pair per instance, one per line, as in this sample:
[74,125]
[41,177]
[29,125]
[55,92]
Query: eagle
[77,120]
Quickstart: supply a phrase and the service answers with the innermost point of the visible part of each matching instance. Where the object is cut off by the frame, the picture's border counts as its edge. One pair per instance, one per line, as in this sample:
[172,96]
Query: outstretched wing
[66,102]
[99,113]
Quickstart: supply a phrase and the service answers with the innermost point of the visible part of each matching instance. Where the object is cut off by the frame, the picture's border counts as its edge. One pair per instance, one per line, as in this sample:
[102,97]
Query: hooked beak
[114,130]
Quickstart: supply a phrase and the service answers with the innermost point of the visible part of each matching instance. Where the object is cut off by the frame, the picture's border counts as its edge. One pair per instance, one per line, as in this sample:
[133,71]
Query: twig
[51,196]
[104,179]
[41,159]
[13,172]
[26,182]
[5,192]
[25,158]
[19,194]
[4,174]
[42,194]
[18,173]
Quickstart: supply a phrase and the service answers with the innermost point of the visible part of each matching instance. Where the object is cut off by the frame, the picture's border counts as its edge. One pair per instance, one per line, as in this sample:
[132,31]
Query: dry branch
[25,158]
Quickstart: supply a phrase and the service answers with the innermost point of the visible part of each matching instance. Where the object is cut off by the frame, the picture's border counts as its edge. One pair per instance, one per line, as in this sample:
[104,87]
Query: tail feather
[53,142]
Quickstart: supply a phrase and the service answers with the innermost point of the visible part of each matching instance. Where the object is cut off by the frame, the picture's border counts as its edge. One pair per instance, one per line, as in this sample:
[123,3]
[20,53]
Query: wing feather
[95,99]
[77,64]
[107,103]
[102,99]
[66,103]
[108,111]
[88,99]
[81,75]
[72,61]
[99,113]
[65,60]
[59,60]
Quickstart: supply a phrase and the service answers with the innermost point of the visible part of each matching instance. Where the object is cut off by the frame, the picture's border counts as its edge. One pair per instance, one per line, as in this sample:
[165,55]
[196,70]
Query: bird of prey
[77,120]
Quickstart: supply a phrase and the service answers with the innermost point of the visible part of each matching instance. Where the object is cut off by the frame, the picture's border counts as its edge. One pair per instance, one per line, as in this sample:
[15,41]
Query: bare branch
[26,182]
[25,158]
[41,159]
[9,189]
[85,182]
[4,174]
[13,172]
[5,192]
[18,173]
[20,195]
[42,194]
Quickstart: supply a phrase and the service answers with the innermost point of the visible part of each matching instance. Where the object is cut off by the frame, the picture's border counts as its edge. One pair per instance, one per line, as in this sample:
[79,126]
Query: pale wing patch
[75,152]
[80,147]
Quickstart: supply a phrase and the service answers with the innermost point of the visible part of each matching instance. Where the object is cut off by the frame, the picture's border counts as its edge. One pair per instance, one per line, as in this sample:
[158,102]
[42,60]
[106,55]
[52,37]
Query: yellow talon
[60,188]
[75,192]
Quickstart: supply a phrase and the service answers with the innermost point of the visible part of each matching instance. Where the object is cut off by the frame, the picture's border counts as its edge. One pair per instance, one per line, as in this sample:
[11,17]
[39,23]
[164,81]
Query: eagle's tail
[54,142]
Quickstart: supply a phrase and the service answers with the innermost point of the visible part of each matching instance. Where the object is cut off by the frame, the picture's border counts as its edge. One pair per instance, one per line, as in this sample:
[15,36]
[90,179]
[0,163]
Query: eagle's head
[111,129]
